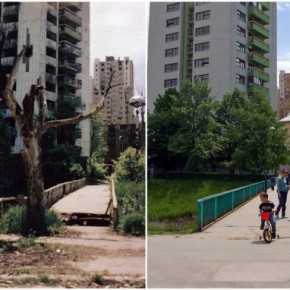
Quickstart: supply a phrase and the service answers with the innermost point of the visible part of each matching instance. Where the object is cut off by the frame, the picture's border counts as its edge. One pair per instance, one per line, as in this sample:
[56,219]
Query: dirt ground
[82,257]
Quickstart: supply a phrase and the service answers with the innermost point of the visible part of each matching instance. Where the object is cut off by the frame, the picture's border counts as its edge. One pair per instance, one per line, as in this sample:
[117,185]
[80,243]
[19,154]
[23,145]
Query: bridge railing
[213,207]
[114,208]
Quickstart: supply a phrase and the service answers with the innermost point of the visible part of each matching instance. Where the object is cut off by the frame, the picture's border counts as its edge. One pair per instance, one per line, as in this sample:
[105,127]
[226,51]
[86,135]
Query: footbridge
[227,254]
[76,202]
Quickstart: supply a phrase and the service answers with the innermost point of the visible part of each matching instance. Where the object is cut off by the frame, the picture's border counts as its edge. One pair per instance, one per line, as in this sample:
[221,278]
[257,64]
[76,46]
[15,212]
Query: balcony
[65,80]
[68,33]
[10,13]
[257,59]
[257,89]
[258,15]
[257,29]
[255,72]
[257,44]
[66,65]
[265,5]
[74,6]
[12,26]
[69,49]
[50,78]
[66,16]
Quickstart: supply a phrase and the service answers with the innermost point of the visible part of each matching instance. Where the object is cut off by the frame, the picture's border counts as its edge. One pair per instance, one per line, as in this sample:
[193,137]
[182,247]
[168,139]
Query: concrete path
[228,254]
[92,199]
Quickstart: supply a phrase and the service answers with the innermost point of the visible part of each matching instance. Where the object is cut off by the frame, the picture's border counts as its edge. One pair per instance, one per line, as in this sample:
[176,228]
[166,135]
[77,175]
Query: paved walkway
[228,254]
[91,199]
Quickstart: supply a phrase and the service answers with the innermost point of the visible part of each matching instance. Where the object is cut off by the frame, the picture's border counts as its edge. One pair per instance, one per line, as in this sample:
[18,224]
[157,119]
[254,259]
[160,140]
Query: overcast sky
[118,29]
[283,43]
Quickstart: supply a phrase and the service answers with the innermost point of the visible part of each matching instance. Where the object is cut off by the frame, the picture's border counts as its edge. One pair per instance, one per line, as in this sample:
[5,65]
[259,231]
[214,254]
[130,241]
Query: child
[267,206]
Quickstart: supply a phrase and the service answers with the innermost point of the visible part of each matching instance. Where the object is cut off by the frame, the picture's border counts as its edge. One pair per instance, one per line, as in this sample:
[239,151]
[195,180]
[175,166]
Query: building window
[203,78]
[240,47]
[171,52]
[202,15]
[173,7]
[172,22]
[170,83]
[241,63]
[201,62]
[241,15]
[202,46]
[202,30]
[172,37]
[171,67]
[240,79]
[241,31]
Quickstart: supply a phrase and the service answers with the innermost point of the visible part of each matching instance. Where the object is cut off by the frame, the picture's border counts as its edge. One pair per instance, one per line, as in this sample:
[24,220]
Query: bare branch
[8,96]
[80,117]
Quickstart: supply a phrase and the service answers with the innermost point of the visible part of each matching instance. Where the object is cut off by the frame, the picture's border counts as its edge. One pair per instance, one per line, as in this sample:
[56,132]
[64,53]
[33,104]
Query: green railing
[213,207]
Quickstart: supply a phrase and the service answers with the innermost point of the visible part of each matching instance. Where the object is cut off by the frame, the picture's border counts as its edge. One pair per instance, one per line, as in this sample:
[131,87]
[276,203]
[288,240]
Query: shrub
[135,225]
[14,221]
[128,167]
[54,223]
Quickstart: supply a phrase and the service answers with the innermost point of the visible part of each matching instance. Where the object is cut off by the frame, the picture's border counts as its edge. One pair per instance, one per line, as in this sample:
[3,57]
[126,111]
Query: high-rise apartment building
[283,95]
[118,115]
[59,34]
[227,44]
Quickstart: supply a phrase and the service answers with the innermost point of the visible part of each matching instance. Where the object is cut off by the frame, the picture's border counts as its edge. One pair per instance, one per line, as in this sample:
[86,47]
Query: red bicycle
[268,231]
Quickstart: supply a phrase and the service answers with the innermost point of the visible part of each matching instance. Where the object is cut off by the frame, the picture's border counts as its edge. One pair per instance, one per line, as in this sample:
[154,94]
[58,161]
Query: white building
[59,34]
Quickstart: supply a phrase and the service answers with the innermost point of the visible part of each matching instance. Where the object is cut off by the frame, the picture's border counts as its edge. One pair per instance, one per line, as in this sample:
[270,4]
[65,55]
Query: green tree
[129,166]
[260,147]
[95,163]
[162,125]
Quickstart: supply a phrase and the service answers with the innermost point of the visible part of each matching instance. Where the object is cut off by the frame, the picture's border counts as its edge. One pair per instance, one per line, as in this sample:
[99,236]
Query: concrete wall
[54,194]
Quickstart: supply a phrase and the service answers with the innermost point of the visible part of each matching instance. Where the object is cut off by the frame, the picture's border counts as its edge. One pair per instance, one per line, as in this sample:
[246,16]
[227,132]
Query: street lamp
[137,102]
[266,143]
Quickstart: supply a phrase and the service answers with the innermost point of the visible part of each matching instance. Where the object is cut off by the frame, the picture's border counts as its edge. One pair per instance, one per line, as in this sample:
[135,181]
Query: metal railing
[213,207]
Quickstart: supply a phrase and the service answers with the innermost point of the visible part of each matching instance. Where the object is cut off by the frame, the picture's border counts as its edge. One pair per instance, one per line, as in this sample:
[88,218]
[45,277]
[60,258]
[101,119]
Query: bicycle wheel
[267,236]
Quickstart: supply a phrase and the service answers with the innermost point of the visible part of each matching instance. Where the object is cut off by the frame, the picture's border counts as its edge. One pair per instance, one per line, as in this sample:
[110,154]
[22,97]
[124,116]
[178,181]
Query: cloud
[283,6]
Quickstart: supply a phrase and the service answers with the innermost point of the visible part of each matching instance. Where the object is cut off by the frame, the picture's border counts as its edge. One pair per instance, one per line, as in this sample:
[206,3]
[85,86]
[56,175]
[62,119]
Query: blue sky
[283,36]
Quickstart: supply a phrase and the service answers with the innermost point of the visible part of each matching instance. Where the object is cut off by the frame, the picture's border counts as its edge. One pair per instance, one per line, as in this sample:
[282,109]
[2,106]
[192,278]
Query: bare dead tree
[32,127]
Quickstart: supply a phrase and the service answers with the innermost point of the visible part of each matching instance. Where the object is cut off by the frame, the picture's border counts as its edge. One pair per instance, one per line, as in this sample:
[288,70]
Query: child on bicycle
[267,206]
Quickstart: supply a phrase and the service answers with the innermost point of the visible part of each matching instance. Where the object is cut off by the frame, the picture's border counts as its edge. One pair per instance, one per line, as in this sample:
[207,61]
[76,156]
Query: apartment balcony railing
[65,80]
[75,6]
[10,44]
[51,27]
[10,10]
[259,30]
[51,44]
[67,16]
[70,34]
[69,49]
[7,61]
[12,26]
[258,44]
[257,89]
[257,59]
[265,5]
[258,15]
[255,72]
[50,78]
[65,64]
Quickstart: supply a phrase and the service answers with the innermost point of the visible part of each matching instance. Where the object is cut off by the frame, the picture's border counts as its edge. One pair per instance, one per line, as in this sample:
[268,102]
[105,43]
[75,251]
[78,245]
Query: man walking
[282,189]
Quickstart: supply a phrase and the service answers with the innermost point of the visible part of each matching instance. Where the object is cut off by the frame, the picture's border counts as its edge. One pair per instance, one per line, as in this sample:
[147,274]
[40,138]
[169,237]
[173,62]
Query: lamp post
[266,143]
[137,102]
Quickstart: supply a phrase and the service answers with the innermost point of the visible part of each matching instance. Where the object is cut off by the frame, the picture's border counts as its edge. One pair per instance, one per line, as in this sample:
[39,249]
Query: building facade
[118,115]
[283,95]
[59,34]
[227,44]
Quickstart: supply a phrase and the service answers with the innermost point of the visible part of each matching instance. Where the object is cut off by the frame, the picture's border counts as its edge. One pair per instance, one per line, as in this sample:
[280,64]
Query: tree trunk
[36,223]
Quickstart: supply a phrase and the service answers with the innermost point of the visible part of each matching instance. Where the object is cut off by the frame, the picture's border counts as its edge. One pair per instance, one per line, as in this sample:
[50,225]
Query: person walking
[273,181]
[282,189]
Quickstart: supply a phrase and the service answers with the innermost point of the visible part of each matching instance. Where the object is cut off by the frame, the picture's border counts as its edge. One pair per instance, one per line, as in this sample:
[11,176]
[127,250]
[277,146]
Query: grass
[172,204]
